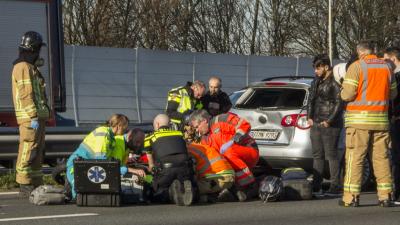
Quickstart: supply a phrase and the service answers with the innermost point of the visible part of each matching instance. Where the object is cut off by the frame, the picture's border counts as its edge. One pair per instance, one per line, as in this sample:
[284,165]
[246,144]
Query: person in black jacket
[215,101]
[324,114]
[393,55]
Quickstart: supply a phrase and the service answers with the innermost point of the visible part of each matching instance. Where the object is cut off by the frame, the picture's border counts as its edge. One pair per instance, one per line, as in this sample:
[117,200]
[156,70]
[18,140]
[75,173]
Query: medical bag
[97,182]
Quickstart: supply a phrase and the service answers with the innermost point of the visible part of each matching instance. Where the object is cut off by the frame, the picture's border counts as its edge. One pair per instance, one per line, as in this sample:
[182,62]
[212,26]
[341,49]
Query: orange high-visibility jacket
[224,126]
[373,86]
[209,163]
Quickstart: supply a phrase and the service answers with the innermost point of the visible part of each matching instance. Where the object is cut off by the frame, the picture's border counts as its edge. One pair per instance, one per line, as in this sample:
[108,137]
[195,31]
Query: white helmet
[339,71]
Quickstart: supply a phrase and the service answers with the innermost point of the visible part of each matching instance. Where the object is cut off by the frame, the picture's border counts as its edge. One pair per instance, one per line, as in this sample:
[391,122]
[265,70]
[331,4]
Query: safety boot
[354,203]
[241,196]
[175,192]
[188,193]
[386,203]
[25,190]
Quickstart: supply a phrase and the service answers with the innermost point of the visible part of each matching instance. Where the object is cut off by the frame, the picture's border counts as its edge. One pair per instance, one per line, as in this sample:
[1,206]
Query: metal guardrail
[60,141]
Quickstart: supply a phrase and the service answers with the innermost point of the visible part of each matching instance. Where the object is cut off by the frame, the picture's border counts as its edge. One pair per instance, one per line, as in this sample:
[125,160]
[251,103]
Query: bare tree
[264,27]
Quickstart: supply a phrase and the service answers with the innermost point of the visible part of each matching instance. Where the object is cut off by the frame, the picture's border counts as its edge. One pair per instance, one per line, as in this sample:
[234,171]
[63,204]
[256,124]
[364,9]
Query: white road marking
[9,193]
[48,217]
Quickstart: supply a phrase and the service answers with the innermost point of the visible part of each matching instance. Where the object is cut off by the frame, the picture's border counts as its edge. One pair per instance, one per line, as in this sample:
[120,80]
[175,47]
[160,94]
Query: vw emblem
[96,174]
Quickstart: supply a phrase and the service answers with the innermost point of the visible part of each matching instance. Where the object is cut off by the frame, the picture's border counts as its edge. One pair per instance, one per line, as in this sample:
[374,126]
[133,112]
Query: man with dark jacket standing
[216,101]
[393,54]
[31,110]
[324,116]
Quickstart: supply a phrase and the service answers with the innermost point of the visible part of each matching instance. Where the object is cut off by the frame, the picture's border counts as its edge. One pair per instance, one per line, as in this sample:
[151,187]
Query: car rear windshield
[274,98]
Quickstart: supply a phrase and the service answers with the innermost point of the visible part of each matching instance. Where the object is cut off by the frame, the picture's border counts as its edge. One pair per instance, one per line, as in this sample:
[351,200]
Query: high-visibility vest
[120,151]
[209,163]
[181,96]
[102,144]
[372,101]
[29,93]
[164,142]
[223,128]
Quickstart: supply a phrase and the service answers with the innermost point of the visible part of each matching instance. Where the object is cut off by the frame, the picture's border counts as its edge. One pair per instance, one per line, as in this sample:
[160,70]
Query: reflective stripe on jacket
[224,127]
[209,163]
[164,142]
[29,93]
[369,109]
[102,144]
[181,96]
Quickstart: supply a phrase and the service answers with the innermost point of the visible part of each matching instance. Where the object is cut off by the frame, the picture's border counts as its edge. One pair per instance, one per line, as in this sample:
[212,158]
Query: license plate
[265,134]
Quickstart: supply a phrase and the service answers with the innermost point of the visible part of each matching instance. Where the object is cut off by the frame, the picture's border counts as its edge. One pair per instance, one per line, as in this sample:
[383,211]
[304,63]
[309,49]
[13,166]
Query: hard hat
[31,41]
[339,71]
[271,188]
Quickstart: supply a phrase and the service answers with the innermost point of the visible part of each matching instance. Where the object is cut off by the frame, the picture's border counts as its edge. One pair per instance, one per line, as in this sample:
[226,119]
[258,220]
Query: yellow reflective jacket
[102,144]
[185,102]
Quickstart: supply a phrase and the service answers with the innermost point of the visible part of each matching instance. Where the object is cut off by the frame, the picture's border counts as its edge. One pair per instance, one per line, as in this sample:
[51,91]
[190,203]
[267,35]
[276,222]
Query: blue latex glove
[123,170]
[225,146]
[34,124]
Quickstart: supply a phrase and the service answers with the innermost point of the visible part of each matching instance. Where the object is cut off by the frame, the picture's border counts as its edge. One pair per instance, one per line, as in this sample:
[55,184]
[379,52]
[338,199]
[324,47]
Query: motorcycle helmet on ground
[271,188]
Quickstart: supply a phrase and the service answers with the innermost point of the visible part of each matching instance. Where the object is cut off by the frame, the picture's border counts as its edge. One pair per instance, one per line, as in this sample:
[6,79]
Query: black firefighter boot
[25,190]
[386,202]
[354,203]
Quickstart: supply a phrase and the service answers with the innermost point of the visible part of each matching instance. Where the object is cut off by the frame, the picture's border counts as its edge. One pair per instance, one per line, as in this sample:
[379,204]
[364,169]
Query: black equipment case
[97,182]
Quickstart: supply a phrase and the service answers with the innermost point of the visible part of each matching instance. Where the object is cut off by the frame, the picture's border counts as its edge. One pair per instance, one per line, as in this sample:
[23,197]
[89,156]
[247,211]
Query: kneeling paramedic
[213,171]
[229,134]
[105,142]
[169,160]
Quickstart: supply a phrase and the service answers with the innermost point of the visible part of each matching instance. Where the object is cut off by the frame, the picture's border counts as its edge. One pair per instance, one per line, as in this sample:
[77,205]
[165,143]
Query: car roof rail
[288,77]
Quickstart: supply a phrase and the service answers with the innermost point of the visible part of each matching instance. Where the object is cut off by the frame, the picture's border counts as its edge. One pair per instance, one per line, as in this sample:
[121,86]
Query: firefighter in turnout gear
[230,135]
[169,160]
[184,100]
[368,86]
[31,110]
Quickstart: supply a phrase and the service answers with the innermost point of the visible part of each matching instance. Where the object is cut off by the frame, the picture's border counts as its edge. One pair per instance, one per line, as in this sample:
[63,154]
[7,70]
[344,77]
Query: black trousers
[324,146]
[395,157]
[163,179]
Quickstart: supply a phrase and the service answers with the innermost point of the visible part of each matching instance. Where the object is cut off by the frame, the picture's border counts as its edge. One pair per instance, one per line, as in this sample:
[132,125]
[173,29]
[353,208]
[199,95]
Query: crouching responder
[105,142]
[31,110]
[213,171]
[229,134]
[182,101]
[170,162]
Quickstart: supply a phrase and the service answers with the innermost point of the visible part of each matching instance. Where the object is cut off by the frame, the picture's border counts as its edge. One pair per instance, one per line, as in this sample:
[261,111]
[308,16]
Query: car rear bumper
[282,163]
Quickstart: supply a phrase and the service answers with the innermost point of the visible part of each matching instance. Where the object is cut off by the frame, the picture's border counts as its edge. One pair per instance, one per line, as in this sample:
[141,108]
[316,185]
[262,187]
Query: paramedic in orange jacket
[229,134]
[213,171]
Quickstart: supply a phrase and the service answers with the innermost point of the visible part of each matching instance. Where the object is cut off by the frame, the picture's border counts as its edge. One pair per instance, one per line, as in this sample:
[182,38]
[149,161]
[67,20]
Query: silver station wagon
[276,110]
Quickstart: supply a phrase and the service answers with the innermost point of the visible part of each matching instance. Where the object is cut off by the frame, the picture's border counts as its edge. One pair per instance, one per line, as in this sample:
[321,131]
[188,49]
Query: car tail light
[275,83]
[295,120]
